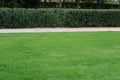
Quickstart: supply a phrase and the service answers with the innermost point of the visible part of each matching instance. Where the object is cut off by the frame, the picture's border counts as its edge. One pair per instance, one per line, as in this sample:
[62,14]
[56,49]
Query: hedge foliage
[24,18]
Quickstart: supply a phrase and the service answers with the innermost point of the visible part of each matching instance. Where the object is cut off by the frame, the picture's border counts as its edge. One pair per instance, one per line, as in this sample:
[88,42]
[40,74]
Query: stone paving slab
[36,30]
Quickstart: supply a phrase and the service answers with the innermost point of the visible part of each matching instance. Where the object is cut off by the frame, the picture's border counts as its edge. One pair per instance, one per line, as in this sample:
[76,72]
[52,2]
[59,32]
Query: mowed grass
[60,56]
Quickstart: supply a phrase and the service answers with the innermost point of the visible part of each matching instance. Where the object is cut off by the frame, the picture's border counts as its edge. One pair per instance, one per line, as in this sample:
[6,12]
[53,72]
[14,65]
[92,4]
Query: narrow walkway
[35,30]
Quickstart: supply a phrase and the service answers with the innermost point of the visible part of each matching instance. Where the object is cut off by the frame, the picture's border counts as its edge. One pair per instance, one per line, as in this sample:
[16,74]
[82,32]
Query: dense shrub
[24,18]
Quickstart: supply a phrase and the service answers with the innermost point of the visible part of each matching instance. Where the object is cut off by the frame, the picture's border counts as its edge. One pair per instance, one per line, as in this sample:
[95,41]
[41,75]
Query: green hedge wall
[25,18]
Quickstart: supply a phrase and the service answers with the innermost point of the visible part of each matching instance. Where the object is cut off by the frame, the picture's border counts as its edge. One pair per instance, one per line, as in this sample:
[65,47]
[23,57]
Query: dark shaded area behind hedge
[24,18]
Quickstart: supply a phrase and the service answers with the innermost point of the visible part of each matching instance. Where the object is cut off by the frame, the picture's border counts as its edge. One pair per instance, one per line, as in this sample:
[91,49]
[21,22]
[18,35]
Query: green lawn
[60,56]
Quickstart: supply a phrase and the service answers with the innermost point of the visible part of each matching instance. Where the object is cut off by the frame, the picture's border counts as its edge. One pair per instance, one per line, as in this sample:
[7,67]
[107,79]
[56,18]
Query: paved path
[35,30]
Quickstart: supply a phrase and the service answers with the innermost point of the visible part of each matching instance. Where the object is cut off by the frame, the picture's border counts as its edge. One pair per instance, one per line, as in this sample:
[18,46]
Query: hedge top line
[57,9]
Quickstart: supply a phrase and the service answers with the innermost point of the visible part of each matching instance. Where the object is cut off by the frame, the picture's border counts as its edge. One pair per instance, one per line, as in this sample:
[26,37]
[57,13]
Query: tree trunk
[77,3]
[63,3]
[60,4]
[100,3]
[45,3]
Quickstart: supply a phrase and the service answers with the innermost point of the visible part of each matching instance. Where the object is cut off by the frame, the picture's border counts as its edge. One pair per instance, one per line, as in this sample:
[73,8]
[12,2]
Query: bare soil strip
[36,30]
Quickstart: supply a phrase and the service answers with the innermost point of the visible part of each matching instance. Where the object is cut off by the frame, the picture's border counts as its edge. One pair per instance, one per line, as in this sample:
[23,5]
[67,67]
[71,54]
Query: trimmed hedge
[24,18]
